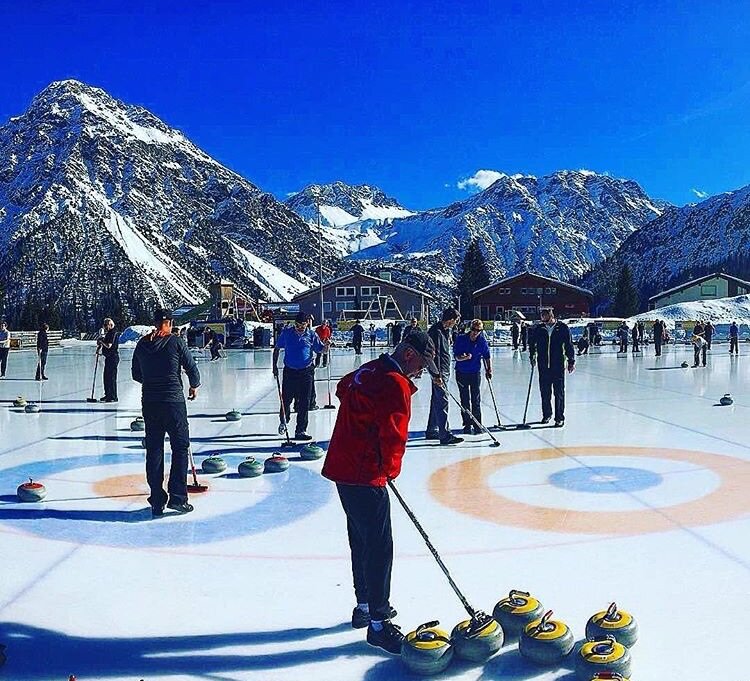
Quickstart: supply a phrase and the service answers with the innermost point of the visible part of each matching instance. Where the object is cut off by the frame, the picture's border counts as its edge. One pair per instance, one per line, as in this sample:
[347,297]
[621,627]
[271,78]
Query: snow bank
[722,310]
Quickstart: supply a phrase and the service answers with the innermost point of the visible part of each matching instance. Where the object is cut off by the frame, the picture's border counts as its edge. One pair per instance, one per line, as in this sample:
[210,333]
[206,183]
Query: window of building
[369,291]
[539,291]
[345,305]
[499,310]
[326,306]
[523,291]
[503,291]
[708,290]
[549,291]
[390,305]
[345,291]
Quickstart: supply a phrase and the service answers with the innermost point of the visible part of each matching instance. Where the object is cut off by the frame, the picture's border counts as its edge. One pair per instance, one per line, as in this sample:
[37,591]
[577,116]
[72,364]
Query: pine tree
[626,296]
[474,275]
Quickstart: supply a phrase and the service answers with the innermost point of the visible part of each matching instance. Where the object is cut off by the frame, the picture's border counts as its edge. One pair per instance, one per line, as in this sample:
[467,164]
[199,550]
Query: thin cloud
[480,180]
[700,193]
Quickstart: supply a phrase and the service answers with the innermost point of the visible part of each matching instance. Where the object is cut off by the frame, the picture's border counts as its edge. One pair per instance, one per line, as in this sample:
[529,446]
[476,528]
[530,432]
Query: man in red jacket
[365,451]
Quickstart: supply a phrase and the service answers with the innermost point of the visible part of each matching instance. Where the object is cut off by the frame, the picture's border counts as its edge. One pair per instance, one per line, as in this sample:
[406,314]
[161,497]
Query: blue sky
[415,96]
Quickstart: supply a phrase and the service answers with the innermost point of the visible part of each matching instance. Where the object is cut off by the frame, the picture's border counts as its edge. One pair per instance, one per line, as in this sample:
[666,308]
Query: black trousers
[368,524]
[42,364]
[357,345]
[3,360]
[321,359]
[110,376]
[623,345]
[297,386]
[372,339]
[437,422]
[636,345]
[468,390]
[214,347]
[515,342]
[698,354]
[550,381]
[162,418]
[708,341]
[657,346]
[733,345]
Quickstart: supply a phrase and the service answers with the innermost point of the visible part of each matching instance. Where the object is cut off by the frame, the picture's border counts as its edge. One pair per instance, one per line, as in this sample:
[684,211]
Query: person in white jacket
[4,348]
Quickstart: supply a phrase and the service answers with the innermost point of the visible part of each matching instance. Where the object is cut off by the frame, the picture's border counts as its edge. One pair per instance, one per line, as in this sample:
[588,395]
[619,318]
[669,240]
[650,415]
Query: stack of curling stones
[542,640]
[276,463]
[31,491]
[213,464]
[233,415]
[726,400]
[138,425]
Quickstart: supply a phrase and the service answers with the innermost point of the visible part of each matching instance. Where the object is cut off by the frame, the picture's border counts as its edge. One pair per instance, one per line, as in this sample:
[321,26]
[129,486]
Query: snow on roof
[349,275]
[557,282]
[720,310]
[699,280]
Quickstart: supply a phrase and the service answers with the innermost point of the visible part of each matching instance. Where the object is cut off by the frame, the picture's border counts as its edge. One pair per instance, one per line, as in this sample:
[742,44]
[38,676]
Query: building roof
[349,275]
[557,282]
[700,280]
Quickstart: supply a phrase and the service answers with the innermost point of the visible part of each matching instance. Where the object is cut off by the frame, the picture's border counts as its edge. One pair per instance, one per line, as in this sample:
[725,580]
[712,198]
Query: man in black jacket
[551,348]
[357,333]
[42,348]
[158,360]
[658,331]
[437,424]
[109,347]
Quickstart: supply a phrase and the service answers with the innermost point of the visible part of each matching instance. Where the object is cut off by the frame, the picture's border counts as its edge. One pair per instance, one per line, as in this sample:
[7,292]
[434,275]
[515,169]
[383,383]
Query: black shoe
[451,440]
[313,407]
[432,436]
[180,507]
[302,436]
[361,619]
[468,430]
[157,511]
[104,399]
[560,423]
[44,378]
[389,638]
[477,431]
[546,419]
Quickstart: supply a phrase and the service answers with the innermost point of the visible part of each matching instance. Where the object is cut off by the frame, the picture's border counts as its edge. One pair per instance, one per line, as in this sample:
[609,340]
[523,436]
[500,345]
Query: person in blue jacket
[470,350]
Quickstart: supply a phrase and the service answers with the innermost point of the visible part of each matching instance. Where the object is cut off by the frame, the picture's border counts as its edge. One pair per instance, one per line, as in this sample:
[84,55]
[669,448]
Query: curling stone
[250,468]
[32,408]
[546,641]
[515,612]
[610,676]
[311,452]
[684,365]
[31,491]
[614,622]
[603,654]
[233,415]
[478,639]
[427,650]
[138,425]
[276,463]
[726,400]
[20,401]
[213,464]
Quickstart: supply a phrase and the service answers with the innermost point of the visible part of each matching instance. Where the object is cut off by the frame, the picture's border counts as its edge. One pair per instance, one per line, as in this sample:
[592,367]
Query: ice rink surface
[643,499]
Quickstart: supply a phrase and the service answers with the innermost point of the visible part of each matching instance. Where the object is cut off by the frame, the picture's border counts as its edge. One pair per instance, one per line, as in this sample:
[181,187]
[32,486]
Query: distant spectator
[4,347]
[734,337]
[42,348]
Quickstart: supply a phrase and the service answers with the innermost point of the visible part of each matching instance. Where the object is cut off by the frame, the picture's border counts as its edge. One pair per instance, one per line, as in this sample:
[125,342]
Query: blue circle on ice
[295,494]
[605,479]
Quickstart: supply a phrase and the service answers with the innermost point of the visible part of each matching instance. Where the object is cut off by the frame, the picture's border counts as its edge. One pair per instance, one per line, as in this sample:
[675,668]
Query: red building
[526,293]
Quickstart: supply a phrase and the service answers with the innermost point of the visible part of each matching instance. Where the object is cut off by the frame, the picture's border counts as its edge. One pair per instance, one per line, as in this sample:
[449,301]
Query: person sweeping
[365,452]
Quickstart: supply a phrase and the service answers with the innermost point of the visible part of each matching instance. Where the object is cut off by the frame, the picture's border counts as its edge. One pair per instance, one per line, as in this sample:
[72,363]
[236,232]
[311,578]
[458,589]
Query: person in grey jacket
[158,361]
[437,424]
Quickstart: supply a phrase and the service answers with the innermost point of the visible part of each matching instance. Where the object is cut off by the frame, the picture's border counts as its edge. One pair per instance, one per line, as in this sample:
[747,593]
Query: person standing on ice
[551,350]
[42,348]
[658,332]
[699,345]
[524,336]
[372,335]
[366,450]
[635,334]
[470,351]
[4,347]
[437,423]
[734,337]
[357,333]
[412,327]
[108,345]
[515,333]
[158,361]
[708,333]
[324,332]
[298,343]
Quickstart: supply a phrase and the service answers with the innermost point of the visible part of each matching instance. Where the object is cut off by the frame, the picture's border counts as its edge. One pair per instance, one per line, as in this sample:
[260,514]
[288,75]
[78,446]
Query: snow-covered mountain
[105,208]
[559,225]
[352,216]
[681,244]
